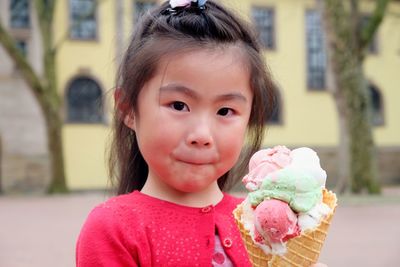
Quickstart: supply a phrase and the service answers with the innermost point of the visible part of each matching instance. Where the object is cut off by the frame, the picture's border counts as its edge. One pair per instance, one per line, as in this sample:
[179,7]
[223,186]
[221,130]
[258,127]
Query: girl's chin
[194,187]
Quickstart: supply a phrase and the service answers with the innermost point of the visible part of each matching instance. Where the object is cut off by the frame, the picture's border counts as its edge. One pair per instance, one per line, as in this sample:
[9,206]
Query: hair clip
[176,6]
[186,3]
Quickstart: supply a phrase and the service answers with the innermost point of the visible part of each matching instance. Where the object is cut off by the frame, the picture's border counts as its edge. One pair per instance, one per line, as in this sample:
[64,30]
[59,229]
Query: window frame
[324,66]
[25,49]
[273,34]
[71,25]
[381,112]
[279,109]
[373,48]
[101,101]
[28,24]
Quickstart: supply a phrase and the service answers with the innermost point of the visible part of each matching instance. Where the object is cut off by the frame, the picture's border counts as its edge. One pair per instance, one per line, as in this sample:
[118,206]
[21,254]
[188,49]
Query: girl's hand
[319,265]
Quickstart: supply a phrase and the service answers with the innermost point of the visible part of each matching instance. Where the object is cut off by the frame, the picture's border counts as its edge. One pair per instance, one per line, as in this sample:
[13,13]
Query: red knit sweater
[139,230]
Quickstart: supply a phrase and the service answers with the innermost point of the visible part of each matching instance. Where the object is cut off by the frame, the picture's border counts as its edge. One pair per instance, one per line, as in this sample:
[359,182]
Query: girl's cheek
[233,140]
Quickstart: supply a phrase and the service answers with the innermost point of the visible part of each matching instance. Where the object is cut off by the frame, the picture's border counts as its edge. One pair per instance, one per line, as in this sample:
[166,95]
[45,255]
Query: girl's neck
[212,195]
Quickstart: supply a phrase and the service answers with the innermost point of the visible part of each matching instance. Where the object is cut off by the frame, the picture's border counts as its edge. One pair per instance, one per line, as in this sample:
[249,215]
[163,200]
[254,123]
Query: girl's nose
[200,135]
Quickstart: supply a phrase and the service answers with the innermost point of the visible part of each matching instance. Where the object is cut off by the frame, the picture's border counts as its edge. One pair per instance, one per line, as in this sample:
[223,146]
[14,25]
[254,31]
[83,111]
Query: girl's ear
[123,107]
[129,120]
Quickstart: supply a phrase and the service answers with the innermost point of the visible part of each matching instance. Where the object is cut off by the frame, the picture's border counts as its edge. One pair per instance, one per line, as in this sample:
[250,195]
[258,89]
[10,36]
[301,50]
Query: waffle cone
[301,251]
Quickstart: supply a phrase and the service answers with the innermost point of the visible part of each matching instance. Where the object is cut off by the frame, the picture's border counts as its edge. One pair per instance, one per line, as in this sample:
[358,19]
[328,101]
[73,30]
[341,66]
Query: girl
[192,84]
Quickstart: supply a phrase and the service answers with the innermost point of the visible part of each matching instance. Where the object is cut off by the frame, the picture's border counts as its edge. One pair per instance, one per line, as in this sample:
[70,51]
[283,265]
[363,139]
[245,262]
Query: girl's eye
[180,106]
[225,111]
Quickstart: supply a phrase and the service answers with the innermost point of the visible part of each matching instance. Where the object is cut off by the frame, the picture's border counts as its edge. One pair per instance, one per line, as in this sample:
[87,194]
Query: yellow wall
[84,144]
[383,71]
[308,117]
[84,150]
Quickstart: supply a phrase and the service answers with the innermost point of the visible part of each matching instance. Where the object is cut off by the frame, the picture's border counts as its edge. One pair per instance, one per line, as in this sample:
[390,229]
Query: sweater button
[206,209]
[227,242]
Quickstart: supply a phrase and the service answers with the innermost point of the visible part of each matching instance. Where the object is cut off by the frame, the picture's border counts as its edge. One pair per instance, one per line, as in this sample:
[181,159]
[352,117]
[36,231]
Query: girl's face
[192,118]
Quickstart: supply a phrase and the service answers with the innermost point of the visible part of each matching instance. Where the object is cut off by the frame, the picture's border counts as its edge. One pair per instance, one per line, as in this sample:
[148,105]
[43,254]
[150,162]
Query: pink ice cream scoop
[264,162]
[275,221]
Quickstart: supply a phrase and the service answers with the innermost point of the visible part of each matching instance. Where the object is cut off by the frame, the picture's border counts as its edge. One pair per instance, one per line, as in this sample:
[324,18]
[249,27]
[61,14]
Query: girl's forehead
[228,54]
[214,72]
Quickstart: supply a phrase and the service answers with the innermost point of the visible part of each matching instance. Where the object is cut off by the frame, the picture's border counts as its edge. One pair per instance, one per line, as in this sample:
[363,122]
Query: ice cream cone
[301,251]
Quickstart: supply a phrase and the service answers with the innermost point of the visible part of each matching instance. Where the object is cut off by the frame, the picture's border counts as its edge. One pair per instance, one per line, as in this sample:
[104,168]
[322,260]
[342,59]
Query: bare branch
[45,10]
[44,88]
[375,20]
[29,75]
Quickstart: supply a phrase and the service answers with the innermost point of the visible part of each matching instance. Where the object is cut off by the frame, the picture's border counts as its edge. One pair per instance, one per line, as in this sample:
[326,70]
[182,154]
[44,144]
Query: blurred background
[336,70]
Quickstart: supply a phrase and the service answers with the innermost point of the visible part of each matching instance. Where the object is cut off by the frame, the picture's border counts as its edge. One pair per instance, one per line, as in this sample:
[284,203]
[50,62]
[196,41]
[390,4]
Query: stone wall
[24,159]
[23,152]
[388,164]
[25,174]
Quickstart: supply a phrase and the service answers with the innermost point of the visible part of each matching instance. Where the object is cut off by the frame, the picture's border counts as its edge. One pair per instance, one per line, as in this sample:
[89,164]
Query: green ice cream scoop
[294,186]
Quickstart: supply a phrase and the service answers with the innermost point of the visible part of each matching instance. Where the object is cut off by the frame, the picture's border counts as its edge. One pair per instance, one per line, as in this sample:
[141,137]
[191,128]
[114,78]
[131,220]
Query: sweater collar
[166,203]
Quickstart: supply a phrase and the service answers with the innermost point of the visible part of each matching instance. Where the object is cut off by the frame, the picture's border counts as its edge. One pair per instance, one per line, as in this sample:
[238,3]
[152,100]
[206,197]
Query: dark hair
[160,33]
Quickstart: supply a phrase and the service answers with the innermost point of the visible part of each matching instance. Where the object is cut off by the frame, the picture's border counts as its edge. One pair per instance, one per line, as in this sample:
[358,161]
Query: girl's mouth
[195,157]
[195,161]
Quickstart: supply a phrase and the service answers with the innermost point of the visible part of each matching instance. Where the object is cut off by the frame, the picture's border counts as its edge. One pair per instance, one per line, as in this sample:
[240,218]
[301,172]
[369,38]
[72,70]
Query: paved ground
[41,231]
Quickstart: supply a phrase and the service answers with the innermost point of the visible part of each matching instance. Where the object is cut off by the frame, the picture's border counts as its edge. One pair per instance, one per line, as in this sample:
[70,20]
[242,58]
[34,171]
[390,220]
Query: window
[373,45]
[19,14]
[142,7]
[83,23]
[84,101]
[276,116]
[377,107]
[316,55]
[21,45]
[264,20]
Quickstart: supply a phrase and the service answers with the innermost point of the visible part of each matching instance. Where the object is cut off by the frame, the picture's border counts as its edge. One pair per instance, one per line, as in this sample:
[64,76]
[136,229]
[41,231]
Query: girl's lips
[196,158]
[195,162]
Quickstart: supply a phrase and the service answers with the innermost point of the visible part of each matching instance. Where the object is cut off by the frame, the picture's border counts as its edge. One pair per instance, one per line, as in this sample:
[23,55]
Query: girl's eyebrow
[196,96]
[176,88]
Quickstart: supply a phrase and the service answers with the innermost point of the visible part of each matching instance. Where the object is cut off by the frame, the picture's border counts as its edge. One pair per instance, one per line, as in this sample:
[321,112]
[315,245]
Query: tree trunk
[362,150]
[55,148]
[44,88]
[343,151]
[356,149]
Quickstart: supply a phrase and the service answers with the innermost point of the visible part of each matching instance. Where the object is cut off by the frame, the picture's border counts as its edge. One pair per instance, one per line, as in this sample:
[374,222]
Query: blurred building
[23,151]
[91,39]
